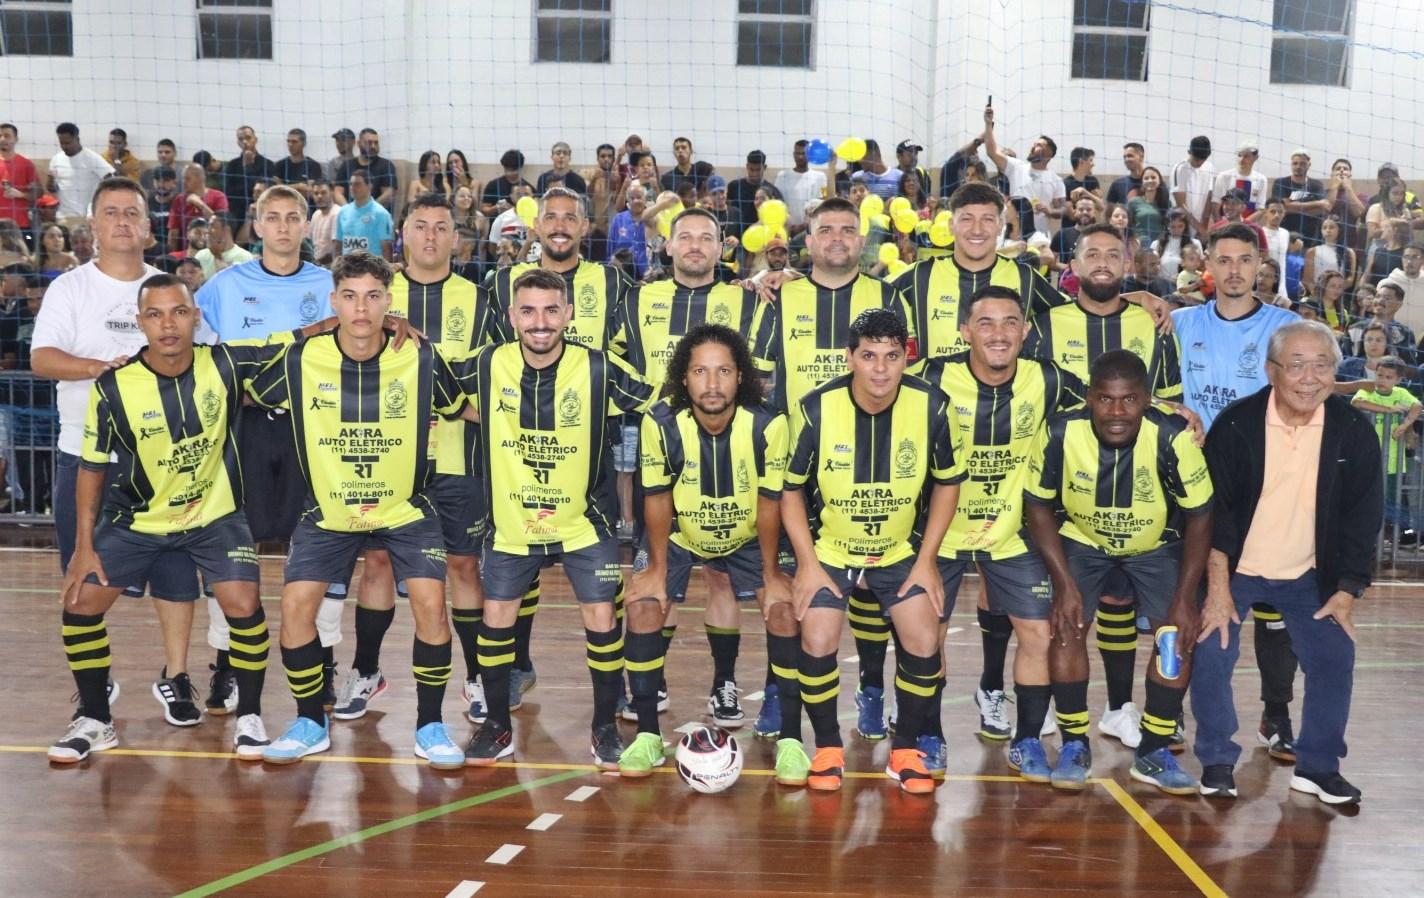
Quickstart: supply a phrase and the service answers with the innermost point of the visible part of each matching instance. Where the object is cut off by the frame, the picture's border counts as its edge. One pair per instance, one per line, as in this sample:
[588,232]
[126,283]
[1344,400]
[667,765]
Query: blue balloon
[818,152]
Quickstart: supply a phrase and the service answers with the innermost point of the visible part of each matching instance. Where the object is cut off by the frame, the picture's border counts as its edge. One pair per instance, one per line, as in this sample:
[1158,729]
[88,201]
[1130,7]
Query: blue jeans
[1327,656]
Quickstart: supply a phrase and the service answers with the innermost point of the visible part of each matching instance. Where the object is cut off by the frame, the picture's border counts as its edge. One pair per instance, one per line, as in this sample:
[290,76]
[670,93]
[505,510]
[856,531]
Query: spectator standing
[799,186]
[1192,180]
[118,156]
[167,154]
[1133,157]
[907,161]
[1347,204]
[1304,197]
[1038,194]
[297,171]
[19,182]
[1409,278]
[1147,209]
[741,195]
[345,139]
[496,196]
[74,172]
[380,172]
[878,179]
[243,171]
[1244,178]
[626,231]
[1082,180]
[561,155]
[430,177]
[684,169]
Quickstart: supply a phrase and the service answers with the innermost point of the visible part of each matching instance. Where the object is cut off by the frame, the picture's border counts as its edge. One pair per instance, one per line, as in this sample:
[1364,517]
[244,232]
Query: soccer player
[166,415]
[595,291]
[1099,321]
[1222,346]
[713,458]
[1002,404]
[802,337]
[454,315]
[360,411]
[544,404]
[875,460]
[653,320]
[272,294]
[1135,498]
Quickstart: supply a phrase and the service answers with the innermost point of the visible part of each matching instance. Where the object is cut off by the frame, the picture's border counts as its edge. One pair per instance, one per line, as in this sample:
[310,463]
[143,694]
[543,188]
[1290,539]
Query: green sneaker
[792,765]
[643,754]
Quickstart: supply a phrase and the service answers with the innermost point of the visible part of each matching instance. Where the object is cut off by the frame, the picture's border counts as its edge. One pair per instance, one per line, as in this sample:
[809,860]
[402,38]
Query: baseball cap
[716,183]
[344,134]
[1200,146]
[775,243]
[47,201]
[1248,146]
[907,146]
[1235,193]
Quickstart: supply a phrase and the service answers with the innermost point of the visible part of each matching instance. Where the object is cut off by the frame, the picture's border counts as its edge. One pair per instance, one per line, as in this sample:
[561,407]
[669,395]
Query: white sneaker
[356,693]
[1050,724]
[85,734]
[994,723]
[250,738]
[473,694]
[1124,724]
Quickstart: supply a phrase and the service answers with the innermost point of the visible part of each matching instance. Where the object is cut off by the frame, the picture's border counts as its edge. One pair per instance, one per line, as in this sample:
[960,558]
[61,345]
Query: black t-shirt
[289,172]
[1307,226]
[16,327]
[672,178]
[572,180]
[1158,287]
[380,173]
[1120,188]
[1071,184]
[238,181]
[741,206]
[1063,244]
[499,189]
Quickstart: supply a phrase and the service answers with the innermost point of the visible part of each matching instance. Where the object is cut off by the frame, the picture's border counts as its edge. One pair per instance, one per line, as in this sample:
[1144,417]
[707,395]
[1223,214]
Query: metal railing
[1394,547]
[29,430]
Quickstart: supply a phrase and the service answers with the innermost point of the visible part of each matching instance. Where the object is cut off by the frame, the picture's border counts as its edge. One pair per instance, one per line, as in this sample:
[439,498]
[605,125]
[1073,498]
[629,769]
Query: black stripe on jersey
[536,391]
[1114,486]
[691,302]
[993,415]
[602,497]
[180,412]
[833,307]
[1167,469]
[424,390]
[1107,335]
[611,300]
[360,390]
[872,446]
[716,462]
[427,308]
[921,293]
[968,286]
[135,477]
[760,419]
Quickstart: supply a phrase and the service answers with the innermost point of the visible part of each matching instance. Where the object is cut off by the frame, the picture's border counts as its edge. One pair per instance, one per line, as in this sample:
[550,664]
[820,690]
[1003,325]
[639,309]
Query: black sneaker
[222,692]
[723,706]
[1407,540]
[607,746]
[1217,781]
[175,694]
[1276,735]
[1331,788]
[328,686]
[490,743]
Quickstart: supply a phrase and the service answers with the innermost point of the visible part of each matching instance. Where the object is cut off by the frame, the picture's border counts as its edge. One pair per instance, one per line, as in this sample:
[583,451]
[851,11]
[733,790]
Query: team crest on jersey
[570,408]
[1137,347]
[744,481]
[1249,364]
[906,458]
[588,299]
[210,408]
[395,400]
[455,324]
[720,314]
[1025,421]
[1142,489]
[308,308]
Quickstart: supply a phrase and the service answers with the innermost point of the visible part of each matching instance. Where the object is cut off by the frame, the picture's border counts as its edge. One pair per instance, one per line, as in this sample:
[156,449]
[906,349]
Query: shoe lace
[347,690]
[994,707]
[182,688]
[726,694]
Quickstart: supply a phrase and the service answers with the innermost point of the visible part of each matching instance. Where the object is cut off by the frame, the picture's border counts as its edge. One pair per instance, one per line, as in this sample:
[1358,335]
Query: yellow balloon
[755,238]
[527,209]
[852,149]
[942,217]
[888,253]
[905,219]
[897,268]
[773,214]
[665,218]
[940,235]
[871,206]
[898,204]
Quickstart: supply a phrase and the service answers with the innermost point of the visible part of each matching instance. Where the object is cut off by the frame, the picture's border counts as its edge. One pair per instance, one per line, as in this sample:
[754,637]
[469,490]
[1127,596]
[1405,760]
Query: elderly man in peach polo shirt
[1299,499]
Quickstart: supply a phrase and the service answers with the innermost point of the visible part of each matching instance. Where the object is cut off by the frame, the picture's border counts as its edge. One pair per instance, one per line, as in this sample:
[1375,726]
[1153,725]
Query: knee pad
[217,626]
[328,622]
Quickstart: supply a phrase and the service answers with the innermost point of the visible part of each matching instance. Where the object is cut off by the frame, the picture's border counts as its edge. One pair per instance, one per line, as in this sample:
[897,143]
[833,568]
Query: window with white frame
[573,30]
[1310,42]
[234,29]
[778,33]
[1110,39]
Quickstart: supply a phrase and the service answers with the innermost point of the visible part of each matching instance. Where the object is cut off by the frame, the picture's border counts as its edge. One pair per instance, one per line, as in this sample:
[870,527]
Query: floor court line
[1165,842]
[465,889]
[504,854]
[543,822]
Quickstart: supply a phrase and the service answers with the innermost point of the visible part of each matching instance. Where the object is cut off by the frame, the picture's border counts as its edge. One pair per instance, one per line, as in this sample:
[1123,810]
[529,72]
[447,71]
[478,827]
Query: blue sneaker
[1161,770]
[768,722]
[434,745]
[936,755]
[1028,758]
[870,702]
[520,682]
[1075,765]
[304,737]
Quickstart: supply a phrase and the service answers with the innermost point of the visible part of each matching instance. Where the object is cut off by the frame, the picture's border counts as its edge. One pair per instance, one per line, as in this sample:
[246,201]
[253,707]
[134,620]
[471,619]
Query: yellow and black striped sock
[86,648]
[916,684]
[667,633]
[1070,704]
[820,684]
[466,624]
[430,663]
[304,679]
[1159,716]
[725,643]
[496,656]
[249,644]
[524,626]
[872,636]
[605,668]
[1117,642]
[618,599]
[783,655]
[644,660]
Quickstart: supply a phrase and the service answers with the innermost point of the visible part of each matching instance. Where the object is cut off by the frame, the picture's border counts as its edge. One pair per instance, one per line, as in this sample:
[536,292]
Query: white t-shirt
[1035,184]
[799,188]
[88,314]
[1411,313]
[1253,185]
[77,176]
[1196,183]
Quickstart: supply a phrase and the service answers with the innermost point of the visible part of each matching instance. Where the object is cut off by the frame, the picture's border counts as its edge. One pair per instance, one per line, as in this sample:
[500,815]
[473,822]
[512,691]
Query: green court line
[380,829]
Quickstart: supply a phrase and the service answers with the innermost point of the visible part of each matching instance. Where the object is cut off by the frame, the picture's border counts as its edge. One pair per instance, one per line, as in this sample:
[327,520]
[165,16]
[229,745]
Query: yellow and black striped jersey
[1124,501]
[933,290]
[867,478]
[595,290]
[545,452]
[1000,428]
[456,317]
[802,336]
[1073,337]
[715,479]
[177,466]
[362,428]
[657,315]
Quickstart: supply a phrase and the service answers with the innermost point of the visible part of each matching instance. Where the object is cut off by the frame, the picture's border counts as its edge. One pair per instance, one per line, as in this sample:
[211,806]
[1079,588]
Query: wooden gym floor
[171,812]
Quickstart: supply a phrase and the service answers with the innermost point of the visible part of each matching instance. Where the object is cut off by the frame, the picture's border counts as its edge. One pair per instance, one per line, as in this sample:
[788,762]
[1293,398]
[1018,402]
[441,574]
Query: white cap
[1249,145]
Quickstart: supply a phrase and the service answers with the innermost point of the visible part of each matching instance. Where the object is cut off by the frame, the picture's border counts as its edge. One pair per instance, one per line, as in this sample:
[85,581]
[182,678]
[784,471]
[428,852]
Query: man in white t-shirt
[1243,178]
[1031,185]
[799,185]
[1191,185]
[1410,279]
[74,172]
[87,325]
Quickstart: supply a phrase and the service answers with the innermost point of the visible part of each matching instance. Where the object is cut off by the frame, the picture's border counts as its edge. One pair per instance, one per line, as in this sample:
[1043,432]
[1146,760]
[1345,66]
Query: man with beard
[380,172]
[1038,194]
[1085,213]
[244,170]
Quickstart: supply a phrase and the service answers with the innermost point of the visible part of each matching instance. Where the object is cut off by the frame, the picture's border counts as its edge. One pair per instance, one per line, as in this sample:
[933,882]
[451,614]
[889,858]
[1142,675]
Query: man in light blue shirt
[363,223]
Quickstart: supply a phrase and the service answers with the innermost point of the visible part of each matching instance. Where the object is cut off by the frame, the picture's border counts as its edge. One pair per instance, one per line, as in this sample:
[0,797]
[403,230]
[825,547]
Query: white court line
[544,821]
[504,854]
[852,659]
[582,793]
[466,889]
[952,630]
[755,696]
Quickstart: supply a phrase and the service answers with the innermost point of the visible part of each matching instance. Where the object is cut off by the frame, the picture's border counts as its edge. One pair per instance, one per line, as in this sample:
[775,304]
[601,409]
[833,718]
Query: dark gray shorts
[885,582]
[742,566]
[222,550]
[460,504]
[1018,586]
[594,571]
[1151,575]
[417,551]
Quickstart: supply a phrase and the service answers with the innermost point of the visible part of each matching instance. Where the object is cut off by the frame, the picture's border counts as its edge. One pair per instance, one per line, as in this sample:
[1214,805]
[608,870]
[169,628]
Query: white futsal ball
[709,759]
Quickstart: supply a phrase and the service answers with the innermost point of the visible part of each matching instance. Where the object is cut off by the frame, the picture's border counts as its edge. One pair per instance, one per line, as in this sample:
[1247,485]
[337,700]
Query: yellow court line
[1165,842]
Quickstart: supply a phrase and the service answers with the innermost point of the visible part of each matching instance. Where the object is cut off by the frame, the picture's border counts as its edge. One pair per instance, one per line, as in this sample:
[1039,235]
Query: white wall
[459,74]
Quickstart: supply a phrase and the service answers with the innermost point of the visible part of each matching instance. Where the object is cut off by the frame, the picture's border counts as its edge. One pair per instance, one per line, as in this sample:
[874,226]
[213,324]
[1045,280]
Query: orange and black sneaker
[907,765]
[827,769]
